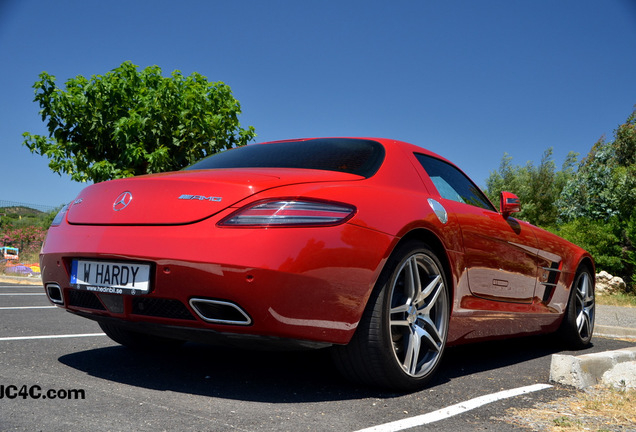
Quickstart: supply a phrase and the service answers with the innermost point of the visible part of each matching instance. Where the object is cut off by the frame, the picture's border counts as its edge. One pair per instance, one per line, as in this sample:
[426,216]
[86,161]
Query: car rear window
[354,156]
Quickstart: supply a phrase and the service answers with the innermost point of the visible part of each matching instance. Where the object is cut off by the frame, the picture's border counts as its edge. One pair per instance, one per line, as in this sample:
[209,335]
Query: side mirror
[508,203]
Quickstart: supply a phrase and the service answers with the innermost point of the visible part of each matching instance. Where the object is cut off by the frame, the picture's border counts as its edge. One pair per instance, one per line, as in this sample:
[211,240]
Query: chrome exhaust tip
[220,312]
[54,293]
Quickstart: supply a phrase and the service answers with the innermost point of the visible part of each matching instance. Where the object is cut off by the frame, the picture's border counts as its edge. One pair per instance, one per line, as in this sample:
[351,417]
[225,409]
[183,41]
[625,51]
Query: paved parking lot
[58,372]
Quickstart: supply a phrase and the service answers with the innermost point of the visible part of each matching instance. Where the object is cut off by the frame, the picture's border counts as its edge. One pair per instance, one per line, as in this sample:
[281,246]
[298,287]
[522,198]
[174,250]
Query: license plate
[111,277]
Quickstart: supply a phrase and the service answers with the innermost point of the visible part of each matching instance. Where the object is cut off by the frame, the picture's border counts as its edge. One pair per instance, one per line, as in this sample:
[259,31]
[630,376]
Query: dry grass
[600,409]
[619,299]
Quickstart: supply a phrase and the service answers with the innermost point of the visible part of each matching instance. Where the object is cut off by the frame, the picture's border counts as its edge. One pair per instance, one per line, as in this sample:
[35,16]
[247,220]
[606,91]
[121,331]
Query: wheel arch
[581,262]
[428,237]
[587,261]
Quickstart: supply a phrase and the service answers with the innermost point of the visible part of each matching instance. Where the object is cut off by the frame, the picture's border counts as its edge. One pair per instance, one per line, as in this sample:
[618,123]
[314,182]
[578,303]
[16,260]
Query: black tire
[401,337]
[578,321]
[136,340]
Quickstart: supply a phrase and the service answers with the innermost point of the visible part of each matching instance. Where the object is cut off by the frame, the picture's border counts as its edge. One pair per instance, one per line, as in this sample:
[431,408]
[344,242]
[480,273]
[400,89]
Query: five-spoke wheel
[418,314]
[578,322]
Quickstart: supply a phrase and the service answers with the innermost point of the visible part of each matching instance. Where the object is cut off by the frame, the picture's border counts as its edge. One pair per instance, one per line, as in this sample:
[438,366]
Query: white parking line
[51,336]
[21,287]
[27,307]
[21,294]
[453,410]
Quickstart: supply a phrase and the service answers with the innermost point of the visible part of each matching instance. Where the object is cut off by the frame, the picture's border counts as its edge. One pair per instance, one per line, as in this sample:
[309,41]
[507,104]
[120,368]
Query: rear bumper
[308,284]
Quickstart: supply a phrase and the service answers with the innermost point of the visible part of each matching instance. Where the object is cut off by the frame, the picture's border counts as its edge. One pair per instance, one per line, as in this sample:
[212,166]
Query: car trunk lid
[182,197]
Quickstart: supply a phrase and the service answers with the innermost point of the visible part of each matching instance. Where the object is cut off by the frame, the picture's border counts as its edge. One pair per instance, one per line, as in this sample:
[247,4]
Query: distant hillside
[12,208]
[21,211]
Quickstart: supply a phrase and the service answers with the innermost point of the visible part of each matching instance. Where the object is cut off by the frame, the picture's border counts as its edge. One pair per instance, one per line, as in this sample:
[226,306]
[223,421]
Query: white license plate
[111,277]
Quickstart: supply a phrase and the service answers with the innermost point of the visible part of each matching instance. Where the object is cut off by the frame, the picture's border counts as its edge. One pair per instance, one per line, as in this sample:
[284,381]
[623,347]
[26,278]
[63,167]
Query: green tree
[538,187]
[593,192]
[604,186]
[602,195]
[131,122]
[602,239]
[625,142]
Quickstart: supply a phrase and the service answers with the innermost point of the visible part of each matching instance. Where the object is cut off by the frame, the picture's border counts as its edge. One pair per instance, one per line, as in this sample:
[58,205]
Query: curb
[614,332]
[616,368]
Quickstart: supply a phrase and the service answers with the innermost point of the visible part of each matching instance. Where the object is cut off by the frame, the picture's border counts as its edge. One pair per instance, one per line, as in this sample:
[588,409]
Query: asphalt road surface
[58,372]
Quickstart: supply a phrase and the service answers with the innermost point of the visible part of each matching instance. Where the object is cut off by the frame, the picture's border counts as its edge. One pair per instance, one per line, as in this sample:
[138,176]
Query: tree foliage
[604,186]
[538,187]
[603,192]
[130,122]
[601,239]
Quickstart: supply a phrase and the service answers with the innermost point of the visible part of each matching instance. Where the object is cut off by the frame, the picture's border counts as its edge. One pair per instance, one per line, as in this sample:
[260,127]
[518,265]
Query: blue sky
[467,79]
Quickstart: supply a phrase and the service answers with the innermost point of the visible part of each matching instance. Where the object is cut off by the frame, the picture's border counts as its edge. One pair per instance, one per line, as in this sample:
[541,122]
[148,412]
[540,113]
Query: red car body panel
[308,283]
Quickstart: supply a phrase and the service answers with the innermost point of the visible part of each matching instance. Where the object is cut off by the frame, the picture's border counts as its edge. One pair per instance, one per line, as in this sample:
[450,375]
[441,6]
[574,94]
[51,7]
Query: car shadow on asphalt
[276,376]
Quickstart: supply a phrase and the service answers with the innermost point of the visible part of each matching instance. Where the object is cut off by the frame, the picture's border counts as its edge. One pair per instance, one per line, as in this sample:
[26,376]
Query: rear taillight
[286,213]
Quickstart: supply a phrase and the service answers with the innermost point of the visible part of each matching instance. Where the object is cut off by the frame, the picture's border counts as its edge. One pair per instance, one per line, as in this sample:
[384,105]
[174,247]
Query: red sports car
[379,249]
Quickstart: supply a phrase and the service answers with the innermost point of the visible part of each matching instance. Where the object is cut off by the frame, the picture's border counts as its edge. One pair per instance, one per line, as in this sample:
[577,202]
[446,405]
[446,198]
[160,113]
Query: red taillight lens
[285,213]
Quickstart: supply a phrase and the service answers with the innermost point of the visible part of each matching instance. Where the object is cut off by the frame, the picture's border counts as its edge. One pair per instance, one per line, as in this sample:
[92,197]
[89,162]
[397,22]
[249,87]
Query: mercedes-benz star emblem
[122,201]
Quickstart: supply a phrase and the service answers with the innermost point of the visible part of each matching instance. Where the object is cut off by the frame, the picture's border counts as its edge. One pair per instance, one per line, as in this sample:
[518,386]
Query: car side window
[452,184]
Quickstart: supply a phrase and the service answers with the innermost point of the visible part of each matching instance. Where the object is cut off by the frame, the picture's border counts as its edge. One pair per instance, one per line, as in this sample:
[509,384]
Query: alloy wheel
[418,315]
[584,307]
